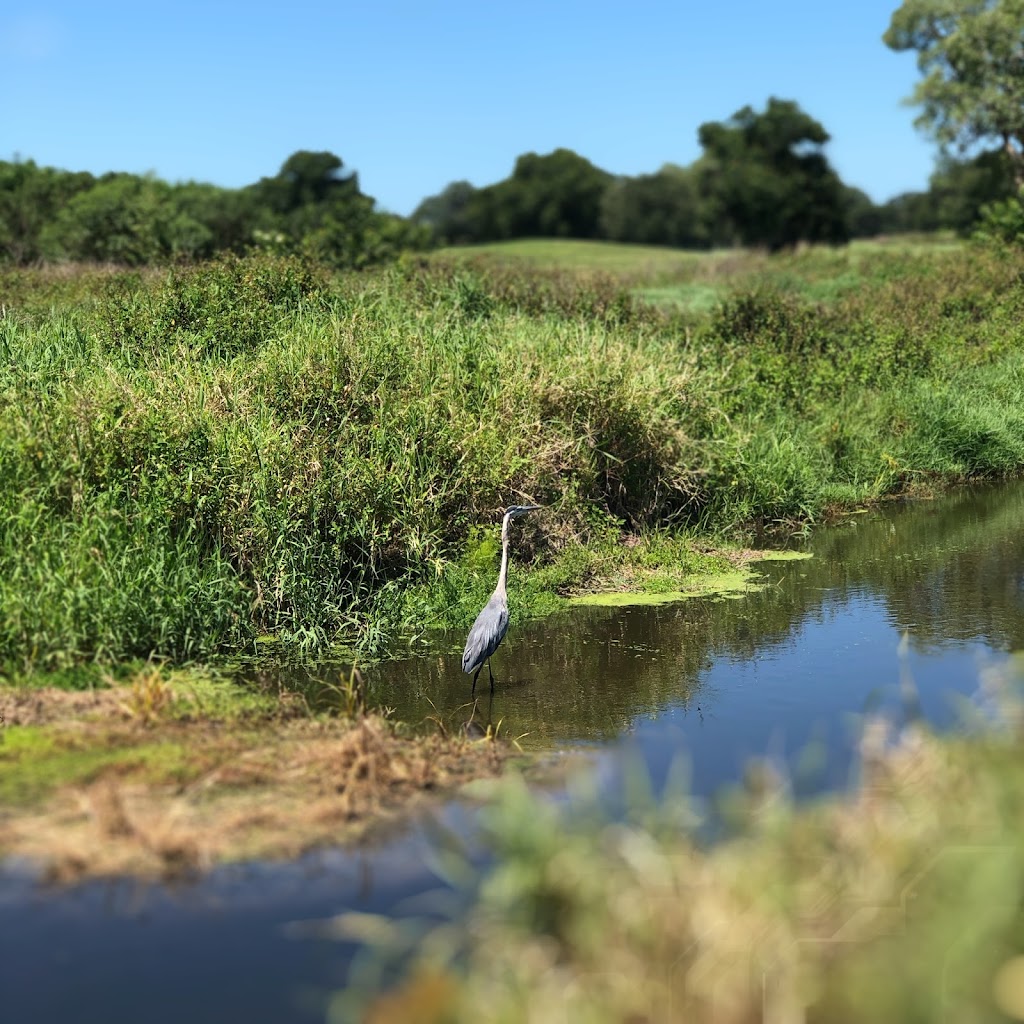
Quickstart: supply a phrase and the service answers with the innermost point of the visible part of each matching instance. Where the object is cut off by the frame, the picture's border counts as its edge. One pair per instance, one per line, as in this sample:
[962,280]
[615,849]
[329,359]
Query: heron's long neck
[500,588]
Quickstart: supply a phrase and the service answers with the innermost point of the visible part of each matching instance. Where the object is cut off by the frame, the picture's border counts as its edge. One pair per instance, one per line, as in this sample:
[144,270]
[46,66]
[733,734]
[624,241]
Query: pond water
[901,610]
[898,611]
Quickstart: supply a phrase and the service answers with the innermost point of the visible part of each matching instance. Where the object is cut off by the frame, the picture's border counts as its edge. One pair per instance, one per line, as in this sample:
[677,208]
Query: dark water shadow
[242,943]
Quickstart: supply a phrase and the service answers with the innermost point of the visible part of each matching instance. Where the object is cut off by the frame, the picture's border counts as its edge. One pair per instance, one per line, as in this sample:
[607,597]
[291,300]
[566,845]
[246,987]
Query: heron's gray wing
[487,632]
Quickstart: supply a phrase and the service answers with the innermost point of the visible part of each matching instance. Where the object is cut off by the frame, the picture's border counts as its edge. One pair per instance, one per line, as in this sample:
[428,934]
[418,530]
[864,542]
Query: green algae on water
[719,585]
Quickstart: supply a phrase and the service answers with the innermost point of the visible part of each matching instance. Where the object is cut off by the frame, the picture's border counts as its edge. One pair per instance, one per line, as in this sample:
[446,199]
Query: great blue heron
[492,623]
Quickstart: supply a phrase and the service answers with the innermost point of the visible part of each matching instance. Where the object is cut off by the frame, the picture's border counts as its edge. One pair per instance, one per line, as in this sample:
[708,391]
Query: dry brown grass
[46,705]
[178,796]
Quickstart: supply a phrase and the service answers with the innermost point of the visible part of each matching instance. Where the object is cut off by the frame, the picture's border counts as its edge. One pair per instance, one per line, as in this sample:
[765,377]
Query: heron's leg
[491,674]
[475,674]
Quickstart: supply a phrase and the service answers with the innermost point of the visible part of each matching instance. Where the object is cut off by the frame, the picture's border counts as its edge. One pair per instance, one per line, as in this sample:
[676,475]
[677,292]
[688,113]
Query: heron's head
[515,511]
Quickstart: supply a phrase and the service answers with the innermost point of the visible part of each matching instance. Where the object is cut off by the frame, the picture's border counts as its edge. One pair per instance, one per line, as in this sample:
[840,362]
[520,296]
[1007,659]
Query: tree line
[311,205]
[762,179]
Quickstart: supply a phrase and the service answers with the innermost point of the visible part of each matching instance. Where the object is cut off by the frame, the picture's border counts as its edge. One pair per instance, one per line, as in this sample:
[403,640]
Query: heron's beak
[515,511]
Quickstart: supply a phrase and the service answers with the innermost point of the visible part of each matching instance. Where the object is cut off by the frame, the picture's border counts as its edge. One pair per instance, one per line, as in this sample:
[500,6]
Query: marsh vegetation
[212,459]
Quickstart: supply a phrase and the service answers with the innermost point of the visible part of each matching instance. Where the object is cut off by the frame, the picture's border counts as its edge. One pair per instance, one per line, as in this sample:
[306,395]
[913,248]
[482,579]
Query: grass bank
[172,772]
[212,459]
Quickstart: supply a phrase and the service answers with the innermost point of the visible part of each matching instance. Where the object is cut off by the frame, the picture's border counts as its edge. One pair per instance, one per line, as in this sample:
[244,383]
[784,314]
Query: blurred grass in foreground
[900,902]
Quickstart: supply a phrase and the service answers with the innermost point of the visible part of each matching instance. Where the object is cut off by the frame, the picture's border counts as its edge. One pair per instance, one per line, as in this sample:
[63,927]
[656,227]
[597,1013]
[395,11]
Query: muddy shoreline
[92,787]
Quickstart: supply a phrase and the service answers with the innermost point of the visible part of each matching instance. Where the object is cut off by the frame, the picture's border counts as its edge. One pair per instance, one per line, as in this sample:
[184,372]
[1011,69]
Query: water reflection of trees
[949,569]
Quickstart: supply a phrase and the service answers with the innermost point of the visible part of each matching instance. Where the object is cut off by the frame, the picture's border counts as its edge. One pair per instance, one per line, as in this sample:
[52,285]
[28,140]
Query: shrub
[218,308]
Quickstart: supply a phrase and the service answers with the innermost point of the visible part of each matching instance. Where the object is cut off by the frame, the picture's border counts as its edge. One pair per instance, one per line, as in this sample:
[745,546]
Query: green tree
[30,198]
[971,54]
[863,217]
[225,216]
[307,192]
[307,180]
[958,191]
[909,212]
[122,219]
[767,181]
[448,215]
[664,208]
[556,195]
[319,210]
[960,188]
[362,241]
[1002,221]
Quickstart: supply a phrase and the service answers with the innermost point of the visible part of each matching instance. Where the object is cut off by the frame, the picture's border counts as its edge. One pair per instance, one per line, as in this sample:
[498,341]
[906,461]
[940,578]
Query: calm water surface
[896,611]
[929,594]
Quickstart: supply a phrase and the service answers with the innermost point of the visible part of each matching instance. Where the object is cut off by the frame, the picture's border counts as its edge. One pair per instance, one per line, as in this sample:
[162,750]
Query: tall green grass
[250,448]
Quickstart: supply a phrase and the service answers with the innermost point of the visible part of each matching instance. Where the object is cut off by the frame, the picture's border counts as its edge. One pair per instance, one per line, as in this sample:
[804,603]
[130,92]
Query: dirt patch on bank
[88,787]
[47,705]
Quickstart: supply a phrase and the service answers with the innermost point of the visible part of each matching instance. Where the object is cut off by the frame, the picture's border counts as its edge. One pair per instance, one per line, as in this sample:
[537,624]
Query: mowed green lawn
[696,281]
[574,254]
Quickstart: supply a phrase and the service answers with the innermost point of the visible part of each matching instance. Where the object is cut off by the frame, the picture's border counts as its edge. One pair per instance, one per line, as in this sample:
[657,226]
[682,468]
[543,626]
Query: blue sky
[415,95]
